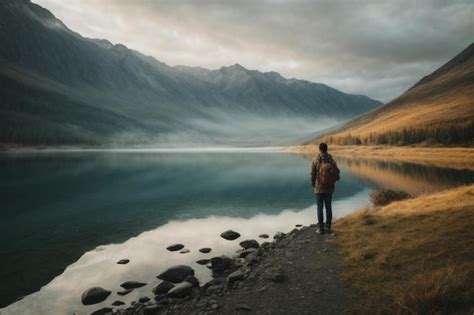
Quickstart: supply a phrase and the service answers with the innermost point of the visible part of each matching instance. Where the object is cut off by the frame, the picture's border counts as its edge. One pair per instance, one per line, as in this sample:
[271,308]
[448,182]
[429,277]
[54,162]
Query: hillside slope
[437,109]
[61,88]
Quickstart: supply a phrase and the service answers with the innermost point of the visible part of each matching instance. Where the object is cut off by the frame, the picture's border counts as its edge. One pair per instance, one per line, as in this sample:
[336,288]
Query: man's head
[323,147]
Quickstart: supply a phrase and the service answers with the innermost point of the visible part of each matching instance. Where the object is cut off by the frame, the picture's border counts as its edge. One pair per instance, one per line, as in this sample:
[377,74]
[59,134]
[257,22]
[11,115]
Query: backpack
[328,172]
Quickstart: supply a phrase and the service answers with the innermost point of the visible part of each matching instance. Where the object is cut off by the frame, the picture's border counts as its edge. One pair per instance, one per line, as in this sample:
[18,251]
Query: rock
[151,310]
[215,288]
[265,244]
[299,225]
[205,250]
[279,235]
[263,236]
[118,303]
[203,261]
[123,261]
[236,276]
[193,280]
[144,299]
[276,276]
[103,311]
[249,244]
[124,292]
[313,225]
[132,285]
[180,290]
[220,263]
[184,251]
[175,247]
[176,274]
[94,295]
[294,231]
[162,287]
[242,307]
[245,252]
[251,259]
[230,235]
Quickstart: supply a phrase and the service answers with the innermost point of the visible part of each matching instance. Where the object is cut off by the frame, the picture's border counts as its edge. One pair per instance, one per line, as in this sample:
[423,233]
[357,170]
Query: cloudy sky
[377,48]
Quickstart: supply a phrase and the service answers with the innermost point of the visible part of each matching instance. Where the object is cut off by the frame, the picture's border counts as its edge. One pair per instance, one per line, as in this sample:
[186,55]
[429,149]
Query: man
[324,174]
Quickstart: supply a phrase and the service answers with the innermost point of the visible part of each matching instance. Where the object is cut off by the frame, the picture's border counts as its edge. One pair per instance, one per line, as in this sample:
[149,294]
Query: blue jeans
[324,199]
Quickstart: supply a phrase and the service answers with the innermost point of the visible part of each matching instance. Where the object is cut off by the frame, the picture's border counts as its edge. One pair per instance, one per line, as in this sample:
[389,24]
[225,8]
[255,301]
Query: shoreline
[450,157]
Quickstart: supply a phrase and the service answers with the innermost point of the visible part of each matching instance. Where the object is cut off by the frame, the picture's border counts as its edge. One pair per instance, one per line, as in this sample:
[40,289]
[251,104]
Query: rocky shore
[295,273]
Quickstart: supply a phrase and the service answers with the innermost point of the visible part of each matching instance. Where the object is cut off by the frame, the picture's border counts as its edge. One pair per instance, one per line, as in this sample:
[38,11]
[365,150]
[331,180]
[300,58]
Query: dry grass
[456,157]
[414,256]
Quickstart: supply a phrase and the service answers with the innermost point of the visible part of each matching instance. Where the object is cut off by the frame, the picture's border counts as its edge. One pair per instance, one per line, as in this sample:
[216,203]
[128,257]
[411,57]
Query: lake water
[68,217]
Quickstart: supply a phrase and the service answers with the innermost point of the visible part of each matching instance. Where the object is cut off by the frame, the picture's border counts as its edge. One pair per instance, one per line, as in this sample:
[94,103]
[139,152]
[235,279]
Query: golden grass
[413,256]
[455,157]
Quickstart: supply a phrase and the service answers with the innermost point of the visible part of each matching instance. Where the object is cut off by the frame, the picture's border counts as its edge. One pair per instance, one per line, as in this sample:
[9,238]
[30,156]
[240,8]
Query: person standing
[324,174]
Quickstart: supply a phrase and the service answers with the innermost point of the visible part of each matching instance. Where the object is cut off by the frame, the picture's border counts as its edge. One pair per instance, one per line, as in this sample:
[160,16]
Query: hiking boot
[327,227]
[320,230]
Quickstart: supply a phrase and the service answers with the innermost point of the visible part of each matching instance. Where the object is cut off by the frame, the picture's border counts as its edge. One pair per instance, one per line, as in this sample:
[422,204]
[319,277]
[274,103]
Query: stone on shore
[180,290]
[123,261]
[239,274]
[193,280]
[103,311]
[118,303]
[251,259]
[144,299]
[248,251]
[162,287]
[132,285]
[184,251]
[175,247]
[205,250]
[279,235]
[263,236]
[94,295]
[220,263]
[249,244]
[176,274]
[242,307]
[230,235]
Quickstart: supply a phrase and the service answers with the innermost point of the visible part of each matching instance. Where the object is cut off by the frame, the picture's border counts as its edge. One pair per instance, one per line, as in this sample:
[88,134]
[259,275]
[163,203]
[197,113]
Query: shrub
[382,197]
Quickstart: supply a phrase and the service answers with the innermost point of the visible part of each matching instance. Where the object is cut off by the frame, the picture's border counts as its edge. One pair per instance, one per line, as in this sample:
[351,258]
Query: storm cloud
[376,48]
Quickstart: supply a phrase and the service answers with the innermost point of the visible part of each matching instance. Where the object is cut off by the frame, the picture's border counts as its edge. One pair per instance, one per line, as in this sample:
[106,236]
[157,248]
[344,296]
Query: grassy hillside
[413,256]
[437,109]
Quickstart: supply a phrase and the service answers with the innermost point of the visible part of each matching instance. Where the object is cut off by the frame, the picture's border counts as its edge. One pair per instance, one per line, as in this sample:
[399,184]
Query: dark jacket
[318,188]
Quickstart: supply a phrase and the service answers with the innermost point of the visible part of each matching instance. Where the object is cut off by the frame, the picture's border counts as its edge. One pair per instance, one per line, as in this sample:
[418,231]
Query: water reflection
[409,177]
[149,257]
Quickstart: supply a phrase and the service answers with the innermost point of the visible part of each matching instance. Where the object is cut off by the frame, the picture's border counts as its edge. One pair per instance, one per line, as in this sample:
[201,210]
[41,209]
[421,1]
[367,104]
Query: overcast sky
[376,48]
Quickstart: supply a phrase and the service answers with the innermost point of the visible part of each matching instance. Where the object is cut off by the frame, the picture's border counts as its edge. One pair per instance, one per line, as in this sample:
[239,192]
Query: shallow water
[67,217]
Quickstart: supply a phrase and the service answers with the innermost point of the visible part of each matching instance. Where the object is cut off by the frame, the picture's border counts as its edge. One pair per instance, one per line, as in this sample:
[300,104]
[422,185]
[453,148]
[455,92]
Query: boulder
[124,292]
[162,287]
[230,235]
[249,244]
[123,261]
[175,247]
[220,263]
[94,295]
[180,290]
[263,236]
[176,274]
[205,250]
[132,285]
[235,276]
[203,261]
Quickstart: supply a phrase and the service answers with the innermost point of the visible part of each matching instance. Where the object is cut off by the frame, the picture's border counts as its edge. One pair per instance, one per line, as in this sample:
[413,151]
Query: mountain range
[438,109]
[59,88]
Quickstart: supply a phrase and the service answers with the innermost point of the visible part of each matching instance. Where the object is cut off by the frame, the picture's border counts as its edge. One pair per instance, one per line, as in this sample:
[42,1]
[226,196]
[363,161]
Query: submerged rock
[176,274]
[249,244]
[94,295]
[205,250]
[132,285]
[203,261]
[175,247]
[230,235]
[123,261]
[162,287]
[124,292]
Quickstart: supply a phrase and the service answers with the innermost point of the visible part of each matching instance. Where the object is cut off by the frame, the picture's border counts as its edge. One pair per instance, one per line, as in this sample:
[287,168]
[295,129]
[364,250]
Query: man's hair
[323,147]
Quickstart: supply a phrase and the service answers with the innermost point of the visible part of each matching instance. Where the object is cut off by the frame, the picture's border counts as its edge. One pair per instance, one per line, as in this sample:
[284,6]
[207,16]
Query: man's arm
[314,171]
